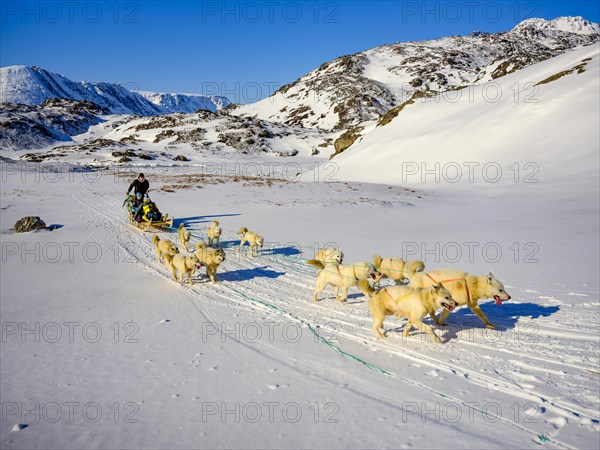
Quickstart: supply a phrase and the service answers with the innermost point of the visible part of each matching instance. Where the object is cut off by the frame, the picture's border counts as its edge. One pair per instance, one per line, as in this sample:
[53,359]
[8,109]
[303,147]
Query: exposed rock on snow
[29,223]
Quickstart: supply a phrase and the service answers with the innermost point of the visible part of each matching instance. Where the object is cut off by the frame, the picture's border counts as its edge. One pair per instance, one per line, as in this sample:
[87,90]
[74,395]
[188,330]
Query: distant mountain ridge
[34,85]
[361,87]
[185,102]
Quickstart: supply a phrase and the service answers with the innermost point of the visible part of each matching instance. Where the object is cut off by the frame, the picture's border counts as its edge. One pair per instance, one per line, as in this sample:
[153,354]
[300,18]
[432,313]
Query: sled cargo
[150,218]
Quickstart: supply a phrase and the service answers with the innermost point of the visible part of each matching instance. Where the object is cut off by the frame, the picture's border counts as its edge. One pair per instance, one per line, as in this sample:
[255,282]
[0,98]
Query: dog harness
[450,281]
[398,299]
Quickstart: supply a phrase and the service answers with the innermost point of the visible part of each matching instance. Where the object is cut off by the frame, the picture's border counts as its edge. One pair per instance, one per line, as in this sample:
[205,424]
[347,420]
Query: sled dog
[466,289]
[341,276]
[330,255]
[405,301]
[185,265]
[214,233]
[251,238]
[184,235]
[164,247]
[396,268]
[211,258]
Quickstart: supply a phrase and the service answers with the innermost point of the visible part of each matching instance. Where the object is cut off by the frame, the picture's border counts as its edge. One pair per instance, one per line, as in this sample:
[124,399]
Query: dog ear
[490,277]
[437,287]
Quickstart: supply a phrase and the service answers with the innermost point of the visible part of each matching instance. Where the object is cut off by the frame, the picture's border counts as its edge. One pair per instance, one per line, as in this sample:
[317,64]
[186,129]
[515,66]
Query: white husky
[185,265]
[466,289]
[184,235]
[254,240]
[330,255]
[214,233]
[341,276]
[396,268]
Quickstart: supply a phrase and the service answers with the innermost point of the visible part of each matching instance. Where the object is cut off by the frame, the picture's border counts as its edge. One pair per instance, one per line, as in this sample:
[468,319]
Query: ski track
[295,285]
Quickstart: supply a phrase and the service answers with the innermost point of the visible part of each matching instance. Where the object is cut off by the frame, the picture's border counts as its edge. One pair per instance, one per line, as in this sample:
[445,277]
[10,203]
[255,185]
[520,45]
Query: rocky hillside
[33,86]
[362,87]
[29,127]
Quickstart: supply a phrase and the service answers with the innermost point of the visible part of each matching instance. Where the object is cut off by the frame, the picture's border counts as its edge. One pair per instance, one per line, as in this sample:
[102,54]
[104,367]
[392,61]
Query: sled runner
[145,215]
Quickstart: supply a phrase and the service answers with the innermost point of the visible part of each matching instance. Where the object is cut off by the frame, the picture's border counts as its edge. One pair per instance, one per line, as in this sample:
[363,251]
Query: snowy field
[102,349]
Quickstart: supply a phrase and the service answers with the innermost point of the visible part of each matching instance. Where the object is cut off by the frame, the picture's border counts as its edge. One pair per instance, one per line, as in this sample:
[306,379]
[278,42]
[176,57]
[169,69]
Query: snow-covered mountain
[543,127]
[33,86]
[341,101]
[186,103]
[576,25]
[362,87]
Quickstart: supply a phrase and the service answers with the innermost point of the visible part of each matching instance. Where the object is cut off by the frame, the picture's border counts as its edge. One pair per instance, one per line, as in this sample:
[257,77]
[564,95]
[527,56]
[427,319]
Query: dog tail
[242,230]
[366,288]
[377,261]
[155,240]
[180,226]
[316,263]
[200,246]
[416,266]
[215,223]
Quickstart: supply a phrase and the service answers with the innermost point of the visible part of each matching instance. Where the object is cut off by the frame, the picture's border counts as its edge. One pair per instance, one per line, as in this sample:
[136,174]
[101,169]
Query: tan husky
[341,276]
[466,289]
[404,301]
[185,265]
[164,247]
[211,258]
[184,235]
[396,268]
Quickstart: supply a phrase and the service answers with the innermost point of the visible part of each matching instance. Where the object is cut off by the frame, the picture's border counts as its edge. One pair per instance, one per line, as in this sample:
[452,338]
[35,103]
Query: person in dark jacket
[140,185]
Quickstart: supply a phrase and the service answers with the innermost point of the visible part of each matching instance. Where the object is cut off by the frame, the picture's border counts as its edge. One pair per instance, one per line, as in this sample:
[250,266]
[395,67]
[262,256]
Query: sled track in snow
[296,285]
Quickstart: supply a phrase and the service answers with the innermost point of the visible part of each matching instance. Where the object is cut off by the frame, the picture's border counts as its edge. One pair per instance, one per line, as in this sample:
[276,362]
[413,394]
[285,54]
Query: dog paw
[442,324]
[490,326]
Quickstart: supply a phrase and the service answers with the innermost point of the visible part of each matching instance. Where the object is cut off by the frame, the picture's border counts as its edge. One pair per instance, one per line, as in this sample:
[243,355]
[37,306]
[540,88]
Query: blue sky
[238,49]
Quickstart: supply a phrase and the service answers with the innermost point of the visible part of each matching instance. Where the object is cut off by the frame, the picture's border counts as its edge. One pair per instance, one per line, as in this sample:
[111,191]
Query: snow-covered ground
[100,348]
[253,362]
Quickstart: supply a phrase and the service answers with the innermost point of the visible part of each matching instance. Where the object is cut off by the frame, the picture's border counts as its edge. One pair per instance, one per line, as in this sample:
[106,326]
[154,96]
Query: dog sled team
[416,293]
[211,256]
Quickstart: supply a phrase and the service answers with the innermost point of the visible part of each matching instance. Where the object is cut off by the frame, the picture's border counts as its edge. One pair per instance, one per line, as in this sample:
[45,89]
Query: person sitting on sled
[137,201]
[140,185]
[137,215]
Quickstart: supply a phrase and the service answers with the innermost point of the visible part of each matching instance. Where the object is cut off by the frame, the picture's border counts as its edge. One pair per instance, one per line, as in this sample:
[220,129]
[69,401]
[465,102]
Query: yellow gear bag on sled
[150,212]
